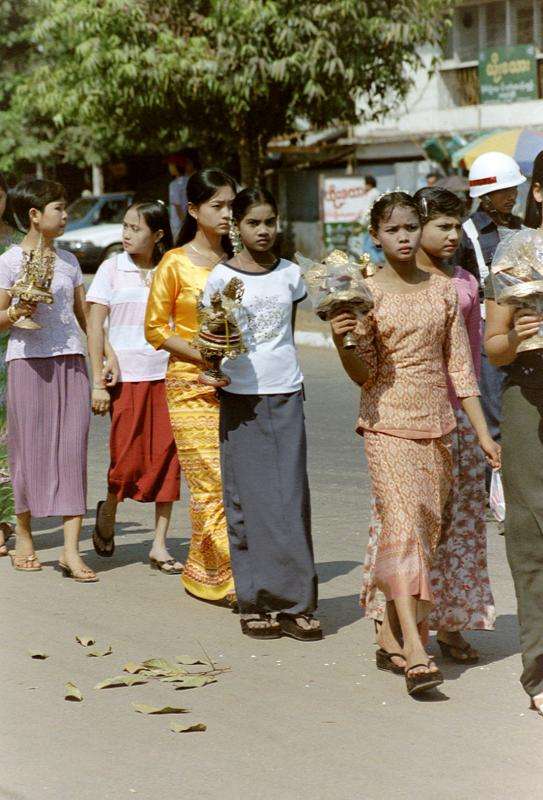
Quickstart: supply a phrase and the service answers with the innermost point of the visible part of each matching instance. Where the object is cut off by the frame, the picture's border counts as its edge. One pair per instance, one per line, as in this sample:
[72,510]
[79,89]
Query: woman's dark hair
[370,180]
[34,194]
[155,214]
[433,202]
[383,207]
[7,216]
[247,198]
[533,208]
[201,186]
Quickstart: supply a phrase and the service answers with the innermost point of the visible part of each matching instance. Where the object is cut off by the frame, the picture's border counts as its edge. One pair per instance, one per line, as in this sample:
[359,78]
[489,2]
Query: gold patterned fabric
[194,415]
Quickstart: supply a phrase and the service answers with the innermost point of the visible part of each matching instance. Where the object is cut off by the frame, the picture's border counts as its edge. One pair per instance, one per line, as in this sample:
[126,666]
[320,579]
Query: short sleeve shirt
[178,197]
[60,333]
[270,365]
[119,285]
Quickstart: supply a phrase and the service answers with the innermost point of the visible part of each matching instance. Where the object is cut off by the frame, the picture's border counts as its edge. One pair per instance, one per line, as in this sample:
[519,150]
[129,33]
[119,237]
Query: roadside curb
[313,339]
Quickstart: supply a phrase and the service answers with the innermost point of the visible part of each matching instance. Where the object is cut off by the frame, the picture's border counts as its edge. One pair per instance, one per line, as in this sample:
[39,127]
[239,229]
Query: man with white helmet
[494,179]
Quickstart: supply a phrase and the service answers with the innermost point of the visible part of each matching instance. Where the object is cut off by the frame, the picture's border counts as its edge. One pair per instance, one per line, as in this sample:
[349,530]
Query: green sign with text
[508,74]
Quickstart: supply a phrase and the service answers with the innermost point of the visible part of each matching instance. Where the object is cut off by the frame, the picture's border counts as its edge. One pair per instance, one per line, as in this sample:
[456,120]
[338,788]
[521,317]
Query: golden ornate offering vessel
[218,334]
[34,285]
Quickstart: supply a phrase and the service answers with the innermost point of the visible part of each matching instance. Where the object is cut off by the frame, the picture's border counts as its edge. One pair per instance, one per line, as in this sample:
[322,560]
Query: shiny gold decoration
[337,284]
[218,333]
[34,285]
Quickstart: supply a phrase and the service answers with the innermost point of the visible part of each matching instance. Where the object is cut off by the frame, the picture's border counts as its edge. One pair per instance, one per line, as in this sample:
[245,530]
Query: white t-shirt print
[270,365]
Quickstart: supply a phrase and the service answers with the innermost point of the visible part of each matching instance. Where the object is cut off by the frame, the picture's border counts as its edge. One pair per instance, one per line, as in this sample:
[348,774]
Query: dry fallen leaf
[37,654]
[72,692]
[190,661]
[133,667]
[86,641]
[176,727]
[193,681]
[101,653]
[121,680]
[145,709]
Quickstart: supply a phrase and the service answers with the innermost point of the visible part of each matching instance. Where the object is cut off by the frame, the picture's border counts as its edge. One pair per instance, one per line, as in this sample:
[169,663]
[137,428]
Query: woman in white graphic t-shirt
[262,433]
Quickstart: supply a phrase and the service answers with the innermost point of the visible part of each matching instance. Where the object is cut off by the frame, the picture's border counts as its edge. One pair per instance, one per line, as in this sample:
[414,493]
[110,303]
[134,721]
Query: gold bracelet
[9,312]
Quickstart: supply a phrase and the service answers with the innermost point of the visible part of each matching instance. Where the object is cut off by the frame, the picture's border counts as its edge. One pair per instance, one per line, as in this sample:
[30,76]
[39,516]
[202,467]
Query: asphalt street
[288,721]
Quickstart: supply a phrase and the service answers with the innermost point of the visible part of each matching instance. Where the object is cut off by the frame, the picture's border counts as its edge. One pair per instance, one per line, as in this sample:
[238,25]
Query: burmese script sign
[508,74]
[342,203]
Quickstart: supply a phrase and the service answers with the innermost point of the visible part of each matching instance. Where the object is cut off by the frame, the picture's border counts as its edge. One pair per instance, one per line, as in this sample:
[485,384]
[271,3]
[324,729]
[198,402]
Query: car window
[81,207]
[113,210]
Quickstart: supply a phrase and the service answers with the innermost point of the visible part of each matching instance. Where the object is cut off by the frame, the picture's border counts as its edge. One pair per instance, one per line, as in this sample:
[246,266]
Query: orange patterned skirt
[194,415]
[411,480]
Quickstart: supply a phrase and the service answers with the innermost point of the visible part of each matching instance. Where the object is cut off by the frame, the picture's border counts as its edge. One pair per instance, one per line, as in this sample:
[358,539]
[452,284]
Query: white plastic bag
[497,499]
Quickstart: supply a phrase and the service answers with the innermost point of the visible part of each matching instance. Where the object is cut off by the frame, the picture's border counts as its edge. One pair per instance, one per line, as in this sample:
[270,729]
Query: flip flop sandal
[167,567]
[447,652]
[25,563]
[272,630]
[422,681]
[290,627]
[98,539]
[383,660]
[80,576]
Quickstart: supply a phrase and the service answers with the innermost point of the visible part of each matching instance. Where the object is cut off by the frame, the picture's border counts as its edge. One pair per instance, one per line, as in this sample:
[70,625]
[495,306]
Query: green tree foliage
[121,76]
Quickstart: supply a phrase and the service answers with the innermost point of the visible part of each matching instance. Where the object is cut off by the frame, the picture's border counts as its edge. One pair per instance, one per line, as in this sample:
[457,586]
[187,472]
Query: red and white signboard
[343,199]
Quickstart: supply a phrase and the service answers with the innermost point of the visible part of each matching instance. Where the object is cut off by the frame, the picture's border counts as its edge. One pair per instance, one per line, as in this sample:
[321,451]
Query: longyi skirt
[144,464]
[48,405]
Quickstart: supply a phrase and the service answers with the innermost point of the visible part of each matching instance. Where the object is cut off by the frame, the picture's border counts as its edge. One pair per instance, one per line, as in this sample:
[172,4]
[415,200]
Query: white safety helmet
[492,171]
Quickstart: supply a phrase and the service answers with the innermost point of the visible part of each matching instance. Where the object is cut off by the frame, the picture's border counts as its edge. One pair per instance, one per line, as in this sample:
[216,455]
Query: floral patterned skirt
[6,491]
[459,576]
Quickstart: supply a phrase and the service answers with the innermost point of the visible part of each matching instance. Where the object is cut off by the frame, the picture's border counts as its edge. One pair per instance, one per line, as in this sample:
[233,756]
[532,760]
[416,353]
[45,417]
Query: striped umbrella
[523,144]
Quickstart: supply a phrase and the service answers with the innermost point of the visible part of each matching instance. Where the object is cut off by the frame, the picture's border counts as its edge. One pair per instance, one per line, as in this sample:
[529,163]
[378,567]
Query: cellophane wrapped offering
[517,277]
[337,283]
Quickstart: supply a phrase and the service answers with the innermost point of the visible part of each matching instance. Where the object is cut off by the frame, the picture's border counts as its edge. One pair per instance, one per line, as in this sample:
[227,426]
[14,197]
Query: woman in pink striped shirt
[144,464]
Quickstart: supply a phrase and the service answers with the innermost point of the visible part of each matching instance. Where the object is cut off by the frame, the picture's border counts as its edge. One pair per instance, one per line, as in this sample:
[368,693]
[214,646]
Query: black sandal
[98,540]
[447,652]
[383,660]
[422,681]
[290,627]
[271,631]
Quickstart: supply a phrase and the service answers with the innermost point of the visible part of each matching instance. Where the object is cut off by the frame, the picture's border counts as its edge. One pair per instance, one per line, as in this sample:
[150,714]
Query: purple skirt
[48,410]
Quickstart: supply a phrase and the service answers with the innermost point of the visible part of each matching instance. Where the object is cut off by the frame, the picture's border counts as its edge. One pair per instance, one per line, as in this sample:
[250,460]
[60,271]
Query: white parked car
[94,244]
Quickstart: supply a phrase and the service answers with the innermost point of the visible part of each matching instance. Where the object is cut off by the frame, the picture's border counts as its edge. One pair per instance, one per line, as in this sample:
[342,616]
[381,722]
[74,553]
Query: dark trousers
[266,499]
[522,454]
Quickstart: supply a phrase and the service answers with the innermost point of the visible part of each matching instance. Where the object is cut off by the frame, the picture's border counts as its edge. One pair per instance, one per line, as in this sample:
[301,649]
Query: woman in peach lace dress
[406,345]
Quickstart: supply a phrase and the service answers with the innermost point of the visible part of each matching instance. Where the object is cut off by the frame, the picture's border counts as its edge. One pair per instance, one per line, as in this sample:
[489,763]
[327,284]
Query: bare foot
[390,643]
[161,554]
[76,564]
[259,622]
[418,662]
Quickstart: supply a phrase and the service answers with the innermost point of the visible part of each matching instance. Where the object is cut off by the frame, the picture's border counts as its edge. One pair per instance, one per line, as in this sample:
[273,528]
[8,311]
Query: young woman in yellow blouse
[194,407]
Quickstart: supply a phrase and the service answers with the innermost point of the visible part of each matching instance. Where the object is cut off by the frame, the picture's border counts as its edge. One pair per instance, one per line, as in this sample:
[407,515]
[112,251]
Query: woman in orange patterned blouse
[406,345]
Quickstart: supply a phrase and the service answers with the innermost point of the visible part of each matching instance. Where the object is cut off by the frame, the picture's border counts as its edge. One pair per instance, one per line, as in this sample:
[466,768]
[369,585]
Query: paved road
[290,721]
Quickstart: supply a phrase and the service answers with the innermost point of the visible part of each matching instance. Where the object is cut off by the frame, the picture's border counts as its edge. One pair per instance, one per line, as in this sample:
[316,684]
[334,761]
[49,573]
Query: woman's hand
[214,382]
[111,371]
[492,451]
[24,309]
[343,322]
[100,401]
[526,323]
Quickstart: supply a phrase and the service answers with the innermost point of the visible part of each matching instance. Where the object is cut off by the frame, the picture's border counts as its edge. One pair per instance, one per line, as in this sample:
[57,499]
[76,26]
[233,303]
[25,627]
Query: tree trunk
[251,154]
[97,179]
[39,170]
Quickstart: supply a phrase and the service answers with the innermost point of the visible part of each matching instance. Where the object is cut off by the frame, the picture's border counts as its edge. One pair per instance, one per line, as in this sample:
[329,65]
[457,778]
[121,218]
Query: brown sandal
[471,656]
[272,629]
[422,681]
[167,567]
[290,627]
[79,575]
[25,563]
[7,535]
[99,540]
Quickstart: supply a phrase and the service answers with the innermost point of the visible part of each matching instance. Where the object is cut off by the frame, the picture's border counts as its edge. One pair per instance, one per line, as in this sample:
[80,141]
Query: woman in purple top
[459,578]
[48,388]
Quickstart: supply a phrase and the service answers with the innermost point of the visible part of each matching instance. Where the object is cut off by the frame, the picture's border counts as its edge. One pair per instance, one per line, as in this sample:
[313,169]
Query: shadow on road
[328,570]
[338,612]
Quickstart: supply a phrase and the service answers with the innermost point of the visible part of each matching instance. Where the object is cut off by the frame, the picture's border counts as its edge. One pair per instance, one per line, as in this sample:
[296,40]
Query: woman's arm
[472,407]
[81,308]
[505,329]
[96,341]
[357,369]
